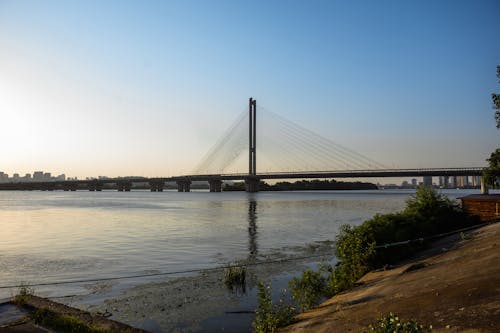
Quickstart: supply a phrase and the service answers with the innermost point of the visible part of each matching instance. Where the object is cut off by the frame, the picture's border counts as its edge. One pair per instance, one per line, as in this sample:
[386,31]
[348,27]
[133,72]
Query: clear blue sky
[146,87]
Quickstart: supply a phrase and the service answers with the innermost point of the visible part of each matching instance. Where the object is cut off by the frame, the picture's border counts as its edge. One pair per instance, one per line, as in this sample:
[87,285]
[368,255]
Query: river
[51,237]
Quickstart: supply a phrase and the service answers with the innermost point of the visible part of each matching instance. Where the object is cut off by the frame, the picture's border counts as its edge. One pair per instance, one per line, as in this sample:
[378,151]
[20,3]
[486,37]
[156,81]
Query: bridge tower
[252,136]
[252,182]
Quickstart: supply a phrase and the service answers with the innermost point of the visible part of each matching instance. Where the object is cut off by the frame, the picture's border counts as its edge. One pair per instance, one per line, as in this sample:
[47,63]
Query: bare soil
[27,325]
[457,290]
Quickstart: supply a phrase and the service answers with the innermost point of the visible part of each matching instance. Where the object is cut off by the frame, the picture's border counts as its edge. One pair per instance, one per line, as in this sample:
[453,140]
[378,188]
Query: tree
[496,101]
[492,173]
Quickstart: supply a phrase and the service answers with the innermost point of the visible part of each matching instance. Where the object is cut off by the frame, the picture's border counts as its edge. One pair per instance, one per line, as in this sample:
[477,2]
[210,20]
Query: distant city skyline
[443,182]
[123,88]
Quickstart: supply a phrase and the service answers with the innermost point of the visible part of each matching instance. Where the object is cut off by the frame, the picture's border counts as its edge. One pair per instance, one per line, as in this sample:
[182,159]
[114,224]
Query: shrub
[427,213]
[269,316]
[308,289]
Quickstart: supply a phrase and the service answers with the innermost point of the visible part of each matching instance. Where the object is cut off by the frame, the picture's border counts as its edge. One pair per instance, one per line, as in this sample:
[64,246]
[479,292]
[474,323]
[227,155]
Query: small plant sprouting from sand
[393,324]
[235,277]
[24,294]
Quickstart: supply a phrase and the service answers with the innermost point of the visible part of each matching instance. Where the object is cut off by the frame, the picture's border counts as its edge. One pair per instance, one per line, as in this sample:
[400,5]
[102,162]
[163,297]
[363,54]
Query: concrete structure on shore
[487,207]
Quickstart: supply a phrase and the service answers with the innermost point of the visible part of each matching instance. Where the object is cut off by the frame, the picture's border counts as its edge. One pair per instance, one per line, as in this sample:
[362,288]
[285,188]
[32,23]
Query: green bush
[427,213]
[308,289]
[268,316]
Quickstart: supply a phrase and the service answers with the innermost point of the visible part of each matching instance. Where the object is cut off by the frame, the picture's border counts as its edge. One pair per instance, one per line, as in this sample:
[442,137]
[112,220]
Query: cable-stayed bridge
[285,150]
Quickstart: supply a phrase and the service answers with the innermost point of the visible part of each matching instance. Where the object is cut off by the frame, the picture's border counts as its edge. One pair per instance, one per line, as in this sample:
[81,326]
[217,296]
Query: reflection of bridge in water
[283,144]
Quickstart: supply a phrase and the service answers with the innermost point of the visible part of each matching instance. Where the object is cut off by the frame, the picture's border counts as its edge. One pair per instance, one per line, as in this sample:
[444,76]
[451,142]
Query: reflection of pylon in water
[252,230]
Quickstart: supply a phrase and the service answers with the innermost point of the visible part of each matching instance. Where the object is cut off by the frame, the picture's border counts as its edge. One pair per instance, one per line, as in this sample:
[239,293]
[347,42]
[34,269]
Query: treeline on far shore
[305,185]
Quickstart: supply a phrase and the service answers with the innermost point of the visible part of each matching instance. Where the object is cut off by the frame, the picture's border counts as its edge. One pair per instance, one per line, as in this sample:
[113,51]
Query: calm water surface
[55,236]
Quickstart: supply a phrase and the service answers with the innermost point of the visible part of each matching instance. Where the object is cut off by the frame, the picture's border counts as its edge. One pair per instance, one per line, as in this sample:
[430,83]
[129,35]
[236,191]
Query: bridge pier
[215,185]
[484,186]
[95,186]
[252,184]
[48,187]
[124,185]
[70,187]
[183,186]
[156,185]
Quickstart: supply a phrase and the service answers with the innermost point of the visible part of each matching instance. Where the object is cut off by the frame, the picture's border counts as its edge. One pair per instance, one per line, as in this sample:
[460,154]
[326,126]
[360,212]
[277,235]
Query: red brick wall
[486,210]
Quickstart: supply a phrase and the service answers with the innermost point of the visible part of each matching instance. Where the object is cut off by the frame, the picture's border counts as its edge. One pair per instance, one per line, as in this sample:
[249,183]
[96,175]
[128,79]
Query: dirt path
[456,291]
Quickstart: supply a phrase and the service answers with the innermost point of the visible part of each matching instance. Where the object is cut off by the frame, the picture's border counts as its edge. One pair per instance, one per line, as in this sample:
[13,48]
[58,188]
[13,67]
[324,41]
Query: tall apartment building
[38,175]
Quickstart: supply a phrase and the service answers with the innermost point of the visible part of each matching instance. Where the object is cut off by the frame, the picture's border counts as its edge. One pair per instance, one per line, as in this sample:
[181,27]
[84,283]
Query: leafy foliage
[392,324]
[308,289]
[268,316]
[491,174]
[496,101]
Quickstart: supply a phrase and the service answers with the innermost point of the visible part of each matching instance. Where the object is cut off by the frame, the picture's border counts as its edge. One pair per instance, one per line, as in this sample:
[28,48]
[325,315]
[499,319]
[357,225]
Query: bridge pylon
[252,182]
[252,137]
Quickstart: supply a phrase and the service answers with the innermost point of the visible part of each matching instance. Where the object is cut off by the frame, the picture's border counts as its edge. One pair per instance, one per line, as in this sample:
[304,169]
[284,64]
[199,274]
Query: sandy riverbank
[457,290]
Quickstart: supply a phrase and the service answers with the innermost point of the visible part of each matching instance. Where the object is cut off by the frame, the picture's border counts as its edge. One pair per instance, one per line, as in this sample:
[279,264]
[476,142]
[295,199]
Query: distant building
[428,180]
[38,175]
[61,177]
[47,176]
[3,177]
[414,182]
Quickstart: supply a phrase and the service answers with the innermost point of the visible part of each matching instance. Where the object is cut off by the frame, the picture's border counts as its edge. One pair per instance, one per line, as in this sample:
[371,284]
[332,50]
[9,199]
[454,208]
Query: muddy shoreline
[202,302]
